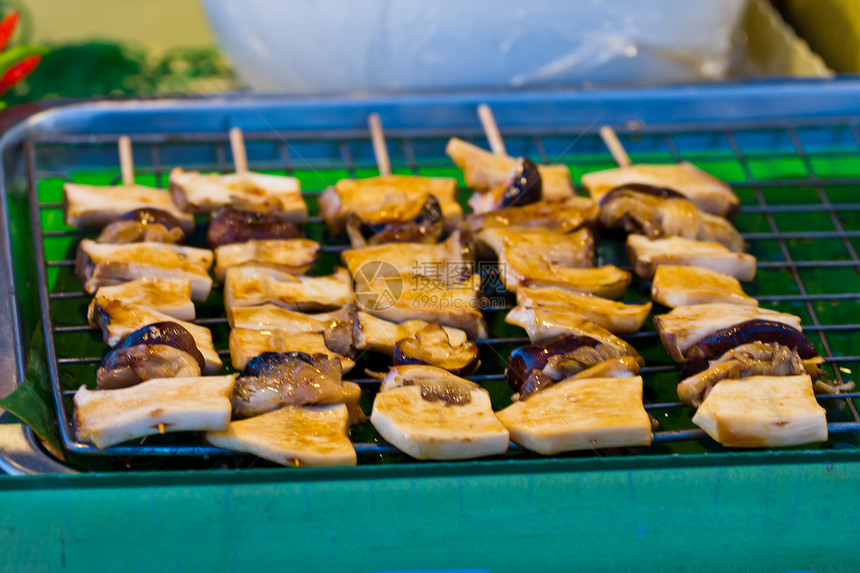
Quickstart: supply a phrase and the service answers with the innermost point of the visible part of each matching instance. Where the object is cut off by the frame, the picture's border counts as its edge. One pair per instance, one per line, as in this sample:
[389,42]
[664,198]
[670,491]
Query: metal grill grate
[798,213]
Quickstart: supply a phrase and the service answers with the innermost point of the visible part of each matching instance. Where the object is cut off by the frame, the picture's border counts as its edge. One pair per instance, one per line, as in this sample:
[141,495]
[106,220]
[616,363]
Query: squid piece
[196,404]
[751,359]
[675,286]
[273,380]
[616,317]
[658,212]
[250,286]
[763,411]
[521,269]
[416,258]
[684,326]
[563,215]
[522,186]
[708,193]
[160,350]
[100,264]
[247,344]
[574,249]
[96,206]
[580,414]
[407,297]
[389,198]
[240,223]
[431,346]
[543,323]
[169,296]
[485,170]
[337,327]
[197,192]
[292,256]
[723,340]
[646,255]
[534,367]
[117,319]
[379,335]
[429,413]
[144,225]
[414,222]
[308,436]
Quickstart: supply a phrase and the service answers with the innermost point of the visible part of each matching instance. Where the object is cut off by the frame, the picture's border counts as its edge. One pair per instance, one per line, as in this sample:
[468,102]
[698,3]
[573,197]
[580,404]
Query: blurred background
[129,47]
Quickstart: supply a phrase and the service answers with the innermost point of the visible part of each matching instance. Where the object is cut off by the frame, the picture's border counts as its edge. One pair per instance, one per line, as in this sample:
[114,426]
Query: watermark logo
[378,285]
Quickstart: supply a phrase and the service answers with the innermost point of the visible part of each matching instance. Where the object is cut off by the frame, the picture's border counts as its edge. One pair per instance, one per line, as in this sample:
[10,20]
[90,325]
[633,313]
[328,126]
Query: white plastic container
[339,46]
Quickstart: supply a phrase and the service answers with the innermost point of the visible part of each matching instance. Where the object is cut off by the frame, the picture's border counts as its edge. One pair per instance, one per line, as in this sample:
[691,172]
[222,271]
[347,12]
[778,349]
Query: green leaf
[15,54]
[32,402]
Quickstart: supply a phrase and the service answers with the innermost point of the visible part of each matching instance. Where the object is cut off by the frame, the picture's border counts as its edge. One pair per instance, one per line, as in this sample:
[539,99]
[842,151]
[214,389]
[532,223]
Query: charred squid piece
[574,249]
[751,359]
[485,170]
[721,341]
[273,380]
[708,193]
[562,215]
[429,413]
[231,224]
[118,319]
[143,225]
[684,327]
[454,304]
[246,344]
[425,226]
[432,346]
[419,258]
[549,322]
[380,198]
[522,187]
[616,317]
[160,350]
[378,335]
[169,296]
[337,327]
[254,286]
[522,268]
[536,366]
[658,212]
[205,192]
[292,256]
[675,286]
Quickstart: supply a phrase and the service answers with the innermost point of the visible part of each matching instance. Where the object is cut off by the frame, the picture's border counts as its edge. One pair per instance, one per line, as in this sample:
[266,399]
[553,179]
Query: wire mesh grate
[799,214]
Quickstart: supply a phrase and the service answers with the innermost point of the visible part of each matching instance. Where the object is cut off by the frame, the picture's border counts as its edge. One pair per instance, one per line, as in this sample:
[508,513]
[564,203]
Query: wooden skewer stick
[380,150]
[488,121]
[610,139]
[237,147]
[126,160]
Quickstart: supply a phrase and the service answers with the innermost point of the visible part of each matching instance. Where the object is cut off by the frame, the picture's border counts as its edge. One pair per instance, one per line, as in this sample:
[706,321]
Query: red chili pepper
[18,72]
[7,28]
